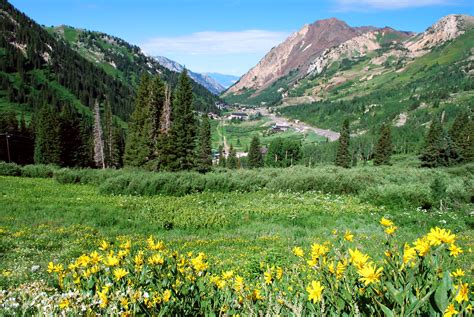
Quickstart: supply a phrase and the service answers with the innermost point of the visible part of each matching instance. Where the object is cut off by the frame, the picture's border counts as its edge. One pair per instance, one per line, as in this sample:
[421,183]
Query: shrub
[67,176]
[9,169]
[38,171]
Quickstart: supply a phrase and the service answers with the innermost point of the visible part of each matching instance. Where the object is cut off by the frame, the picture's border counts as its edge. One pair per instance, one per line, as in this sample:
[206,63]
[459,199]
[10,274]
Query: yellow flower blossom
[95,258]
[358,258]
[124,302]
[455,250]
[120,273]
[83,260]
[64,303]
[103,297]
[386,222]
[279,273]
[156,259]
[104,245]
[391,230]
[227,275]
[348,236]
[199,263]
[463,293]
[238,283]
[315,291]
[155,246]
[458,273]
[298,252]
[166,296]
[409,254]
[111,260]
[450,311]
[422,246]
[268,277]
[370,273]
[127,245]
[436,236]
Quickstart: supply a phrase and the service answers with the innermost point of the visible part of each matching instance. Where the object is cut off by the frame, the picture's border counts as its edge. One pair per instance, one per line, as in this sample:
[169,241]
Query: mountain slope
[206,81]
[124,61]
[293,54]
[403,83]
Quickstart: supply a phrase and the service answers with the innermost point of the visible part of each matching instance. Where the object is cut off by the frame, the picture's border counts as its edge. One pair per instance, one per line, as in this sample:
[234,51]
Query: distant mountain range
[225,80]
[205,80]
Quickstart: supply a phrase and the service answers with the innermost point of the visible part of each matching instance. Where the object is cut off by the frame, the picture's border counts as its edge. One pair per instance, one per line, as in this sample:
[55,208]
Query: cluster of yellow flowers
[127,279]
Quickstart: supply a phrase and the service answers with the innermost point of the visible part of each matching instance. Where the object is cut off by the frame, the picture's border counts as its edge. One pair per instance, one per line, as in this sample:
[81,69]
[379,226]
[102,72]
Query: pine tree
[383,149]
[183,126]
[204,150]
[462,135]
[232,160]
[255,158]
[47,138]
[137,147]
[71,138]
[156,100]
[439,149]
[222,159]
[343,157]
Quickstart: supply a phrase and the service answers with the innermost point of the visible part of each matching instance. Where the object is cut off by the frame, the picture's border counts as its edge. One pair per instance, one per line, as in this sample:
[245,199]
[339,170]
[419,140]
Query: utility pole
[7,136]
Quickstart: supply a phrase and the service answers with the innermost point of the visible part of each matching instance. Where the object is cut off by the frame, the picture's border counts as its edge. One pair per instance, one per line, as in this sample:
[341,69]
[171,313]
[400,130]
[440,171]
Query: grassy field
[42,221]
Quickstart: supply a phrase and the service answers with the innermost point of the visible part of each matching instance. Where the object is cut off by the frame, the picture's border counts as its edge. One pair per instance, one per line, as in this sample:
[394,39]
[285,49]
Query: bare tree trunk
[165,123]
[98,138]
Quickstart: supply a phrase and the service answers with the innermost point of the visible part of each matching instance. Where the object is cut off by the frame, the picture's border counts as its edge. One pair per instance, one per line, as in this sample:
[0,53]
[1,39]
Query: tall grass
[392,185]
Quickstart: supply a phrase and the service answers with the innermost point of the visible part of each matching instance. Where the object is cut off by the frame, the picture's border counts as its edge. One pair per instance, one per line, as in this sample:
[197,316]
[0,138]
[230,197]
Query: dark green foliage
[383,149]
[204,150]
[222,159]
[72,139]
[138,146]
[283,153]
[439,149]
[183,127]
[343,157]
[232,161]
[462,135]
[48,139]
[255,158]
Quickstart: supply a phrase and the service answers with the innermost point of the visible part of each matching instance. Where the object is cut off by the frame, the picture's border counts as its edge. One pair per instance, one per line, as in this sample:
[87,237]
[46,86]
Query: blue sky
[229,36]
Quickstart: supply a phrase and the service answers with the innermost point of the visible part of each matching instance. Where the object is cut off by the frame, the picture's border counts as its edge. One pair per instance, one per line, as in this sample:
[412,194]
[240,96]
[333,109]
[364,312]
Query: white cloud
[215,43]
[347,5]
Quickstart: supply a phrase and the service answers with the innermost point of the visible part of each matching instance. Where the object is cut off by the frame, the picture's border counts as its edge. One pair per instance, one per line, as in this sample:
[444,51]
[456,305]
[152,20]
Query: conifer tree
[137,147]
[383,149]
[183,126]
[156,100]
[47,138]
[255,158]
[71,137]
[232,161]
[222,159]
[439,149]
[343,157]
[462,135]
[204,155]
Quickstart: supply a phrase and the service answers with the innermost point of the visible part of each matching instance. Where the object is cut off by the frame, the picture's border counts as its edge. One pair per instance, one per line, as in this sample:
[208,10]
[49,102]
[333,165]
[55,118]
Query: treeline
[164,134]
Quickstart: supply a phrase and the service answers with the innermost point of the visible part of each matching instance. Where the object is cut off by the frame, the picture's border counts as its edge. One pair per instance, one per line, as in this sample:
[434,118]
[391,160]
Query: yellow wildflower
[124,302]
[391,230]
[120,273]
[370,274]
[95,258]
[64,303]
[386,222]
[436,236]
[104,245]
[455,250]
[422,246]
[227,275]
[463,293]
[158,246]
[318,250]
[127,245]
[298,252]
[238,283]
[166,296]
[156,259]
[83,260]
[409,254]
[348,236]
[268,277]
[315,291]
[341,267]
[111,260]
[458,273]
[279,273]
[103,297]
[450,311]
[358,258]
[199,263]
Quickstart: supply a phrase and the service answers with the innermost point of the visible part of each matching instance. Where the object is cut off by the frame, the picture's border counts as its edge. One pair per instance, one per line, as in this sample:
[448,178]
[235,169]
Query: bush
[9,169]
[67,176]
[405,195]
[38,171]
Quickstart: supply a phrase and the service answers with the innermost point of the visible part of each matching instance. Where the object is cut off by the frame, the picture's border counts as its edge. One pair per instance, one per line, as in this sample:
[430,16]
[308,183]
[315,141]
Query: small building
[238,116]
[280,127]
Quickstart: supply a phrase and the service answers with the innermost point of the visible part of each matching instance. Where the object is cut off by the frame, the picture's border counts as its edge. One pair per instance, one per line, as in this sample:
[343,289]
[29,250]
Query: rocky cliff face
[296,52]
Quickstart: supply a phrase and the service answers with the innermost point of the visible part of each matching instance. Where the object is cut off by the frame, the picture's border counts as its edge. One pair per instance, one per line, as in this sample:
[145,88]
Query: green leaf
[418,303]
[397,295]
[387,312]
[441,295]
